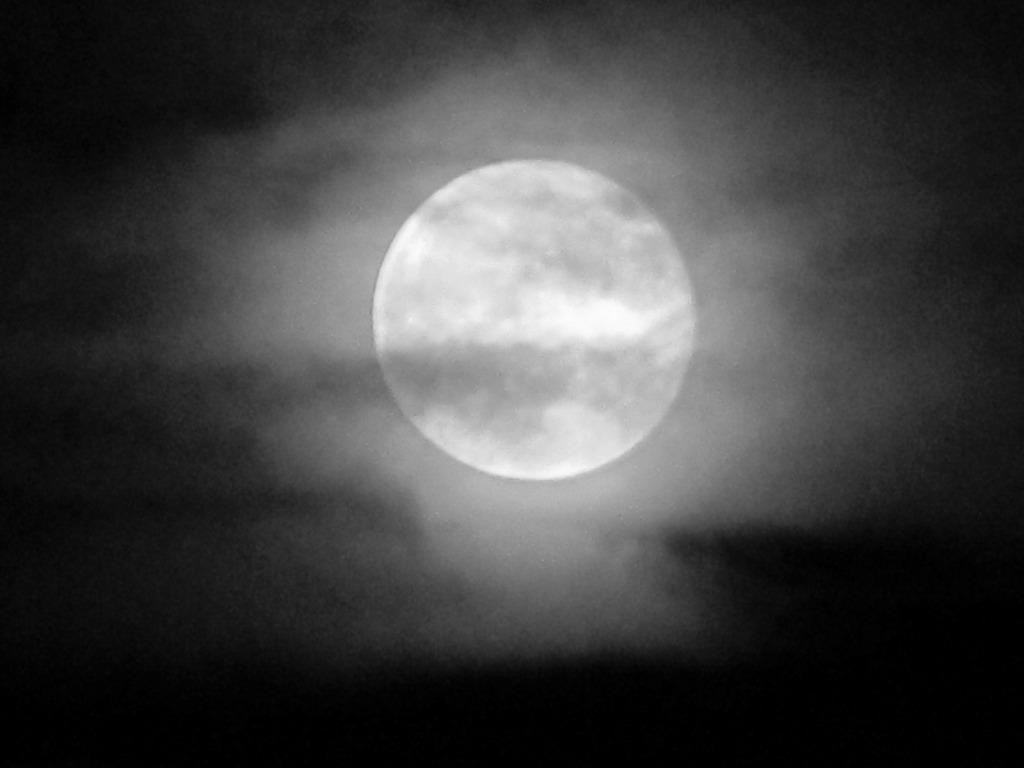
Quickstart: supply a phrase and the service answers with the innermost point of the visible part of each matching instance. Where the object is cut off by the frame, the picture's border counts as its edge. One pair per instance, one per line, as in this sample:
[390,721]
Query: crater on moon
[533,319]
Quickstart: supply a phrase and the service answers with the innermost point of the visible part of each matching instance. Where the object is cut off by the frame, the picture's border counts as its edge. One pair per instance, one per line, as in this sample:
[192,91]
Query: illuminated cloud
[204,469]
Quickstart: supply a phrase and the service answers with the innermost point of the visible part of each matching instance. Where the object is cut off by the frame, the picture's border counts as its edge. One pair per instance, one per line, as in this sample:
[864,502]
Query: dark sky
[223,543]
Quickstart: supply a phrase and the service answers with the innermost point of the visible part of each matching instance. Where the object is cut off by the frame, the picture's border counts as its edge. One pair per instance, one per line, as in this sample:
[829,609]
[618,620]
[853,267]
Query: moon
[533,319]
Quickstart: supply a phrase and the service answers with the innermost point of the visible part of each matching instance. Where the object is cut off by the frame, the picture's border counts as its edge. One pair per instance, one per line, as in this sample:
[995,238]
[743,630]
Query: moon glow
[533,320]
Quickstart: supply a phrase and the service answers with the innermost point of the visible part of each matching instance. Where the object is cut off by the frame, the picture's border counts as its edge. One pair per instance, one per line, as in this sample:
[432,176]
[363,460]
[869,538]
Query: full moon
[533,319]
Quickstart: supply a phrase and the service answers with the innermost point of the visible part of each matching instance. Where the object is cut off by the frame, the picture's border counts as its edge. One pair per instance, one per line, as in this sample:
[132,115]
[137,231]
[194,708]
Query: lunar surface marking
[533,319]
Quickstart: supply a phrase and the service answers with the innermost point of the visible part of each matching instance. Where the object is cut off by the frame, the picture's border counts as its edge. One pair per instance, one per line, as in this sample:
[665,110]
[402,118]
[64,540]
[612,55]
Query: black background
[886,631]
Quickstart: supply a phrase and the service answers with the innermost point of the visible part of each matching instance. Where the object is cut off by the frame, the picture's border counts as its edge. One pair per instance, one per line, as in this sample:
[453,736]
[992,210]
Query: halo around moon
[533,319]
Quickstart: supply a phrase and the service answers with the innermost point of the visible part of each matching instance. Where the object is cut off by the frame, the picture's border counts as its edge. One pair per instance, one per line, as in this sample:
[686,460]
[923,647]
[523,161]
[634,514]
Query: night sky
[223,544]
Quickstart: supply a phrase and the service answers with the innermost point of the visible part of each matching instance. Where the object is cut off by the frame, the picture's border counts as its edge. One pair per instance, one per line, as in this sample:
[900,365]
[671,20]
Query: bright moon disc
[533,319]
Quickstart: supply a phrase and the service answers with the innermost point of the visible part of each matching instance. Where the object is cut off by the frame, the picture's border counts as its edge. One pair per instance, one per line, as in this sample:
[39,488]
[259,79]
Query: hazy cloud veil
[205,466]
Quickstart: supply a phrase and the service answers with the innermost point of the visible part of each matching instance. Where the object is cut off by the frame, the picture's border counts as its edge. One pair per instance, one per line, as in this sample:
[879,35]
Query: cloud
[154,523]
[179,516]
[204,453]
